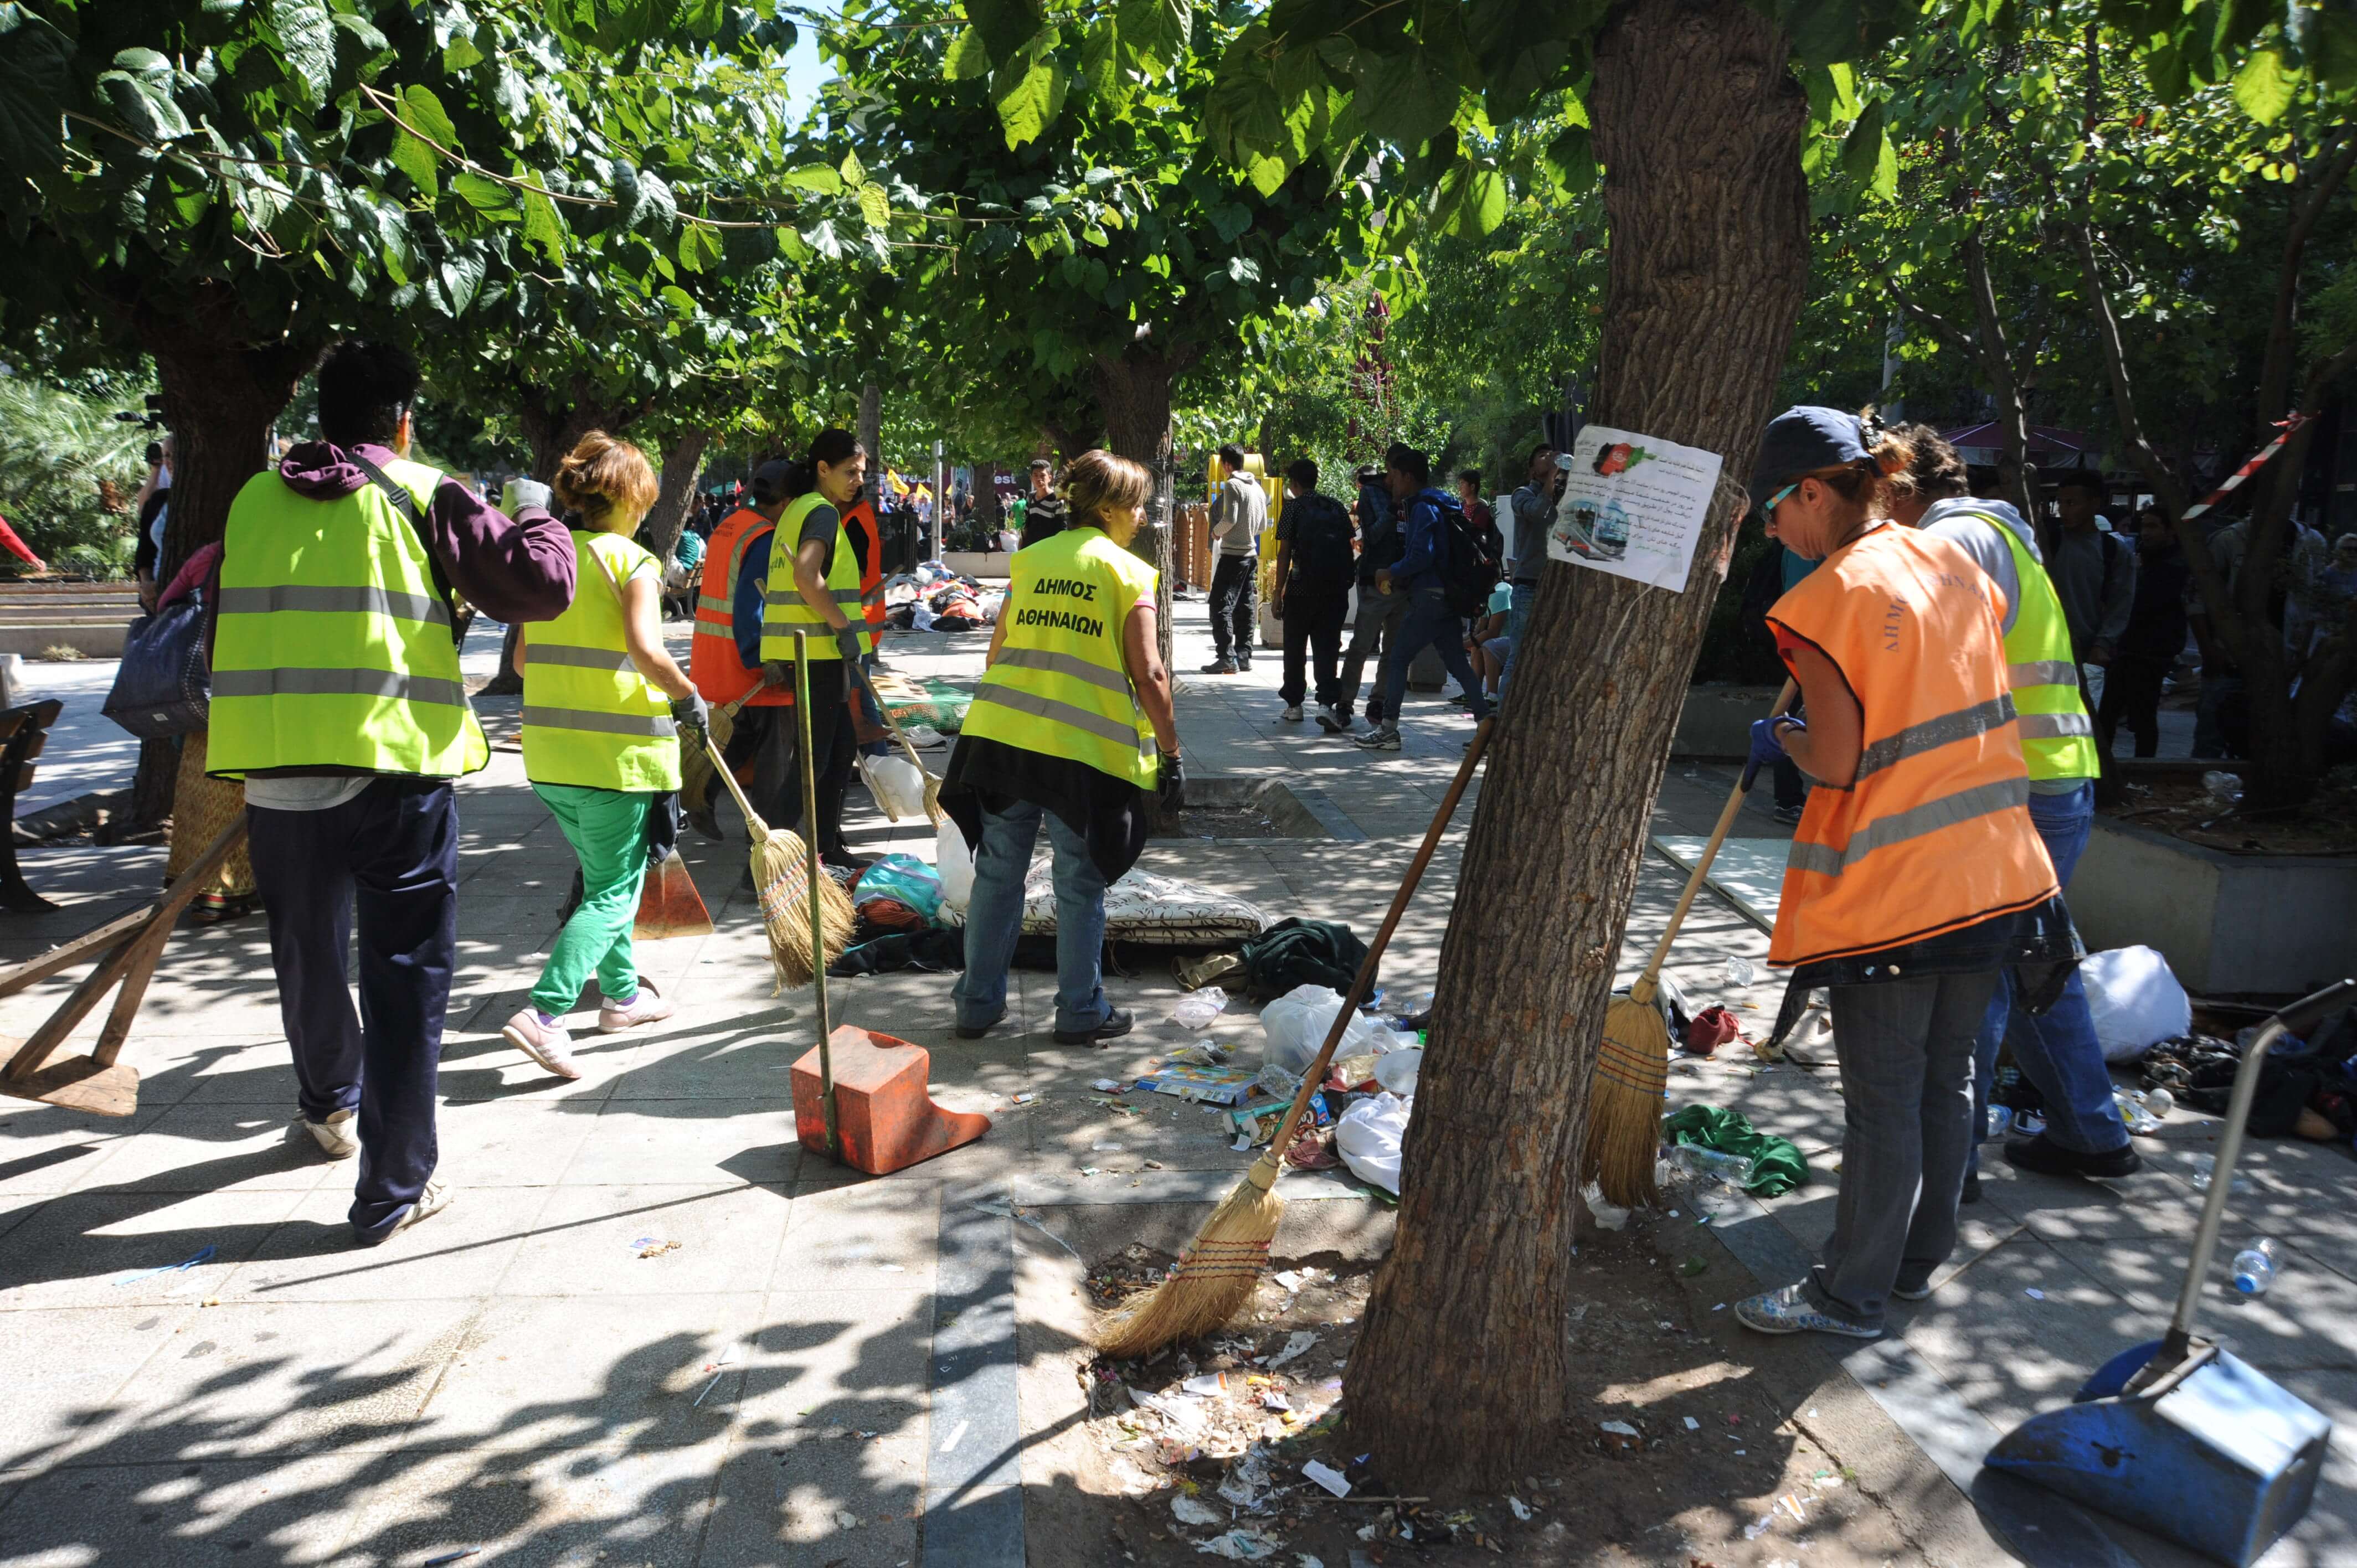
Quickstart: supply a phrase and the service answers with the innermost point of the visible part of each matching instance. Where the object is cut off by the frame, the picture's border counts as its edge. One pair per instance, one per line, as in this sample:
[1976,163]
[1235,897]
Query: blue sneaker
[1787,1311]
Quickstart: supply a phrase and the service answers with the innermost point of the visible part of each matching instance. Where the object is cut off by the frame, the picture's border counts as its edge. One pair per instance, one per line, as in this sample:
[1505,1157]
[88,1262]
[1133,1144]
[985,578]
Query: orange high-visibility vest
[862,516]
[711,661]
[1934,834]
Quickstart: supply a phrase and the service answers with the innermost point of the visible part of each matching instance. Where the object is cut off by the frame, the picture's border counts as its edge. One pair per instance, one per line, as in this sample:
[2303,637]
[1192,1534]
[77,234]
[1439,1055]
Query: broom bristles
[781,877]
[1214,1278]
[1624,1103]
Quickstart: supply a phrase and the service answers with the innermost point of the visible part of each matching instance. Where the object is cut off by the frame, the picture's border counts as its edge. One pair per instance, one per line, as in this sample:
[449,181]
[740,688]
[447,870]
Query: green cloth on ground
[607,831]
[1777,1165]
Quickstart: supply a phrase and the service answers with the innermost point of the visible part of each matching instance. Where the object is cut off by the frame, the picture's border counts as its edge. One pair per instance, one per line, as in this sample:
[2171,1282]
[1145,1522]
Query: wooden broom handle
[753,823]
[1364,980]
[1653,974]
[932,805]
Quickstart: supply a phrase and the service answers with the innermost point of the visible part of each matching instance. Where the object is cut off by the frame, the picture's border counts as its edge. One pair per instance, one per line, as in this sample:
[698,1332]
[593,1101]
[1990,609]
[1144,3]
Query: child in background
[603,705]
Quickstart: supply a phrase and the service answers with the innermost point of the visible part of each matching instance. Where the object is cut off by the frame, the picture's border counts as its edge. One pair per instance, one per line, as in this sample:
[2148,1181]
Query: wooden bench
[23,733]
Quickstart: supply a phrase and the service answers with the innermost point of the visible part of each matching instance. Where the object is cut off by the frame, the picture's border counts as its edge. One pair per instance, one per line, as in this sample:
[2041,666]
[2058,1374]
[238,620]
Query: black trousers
[1313,622]
[2131,697]
[777,791]
[1236,596]
[392,851]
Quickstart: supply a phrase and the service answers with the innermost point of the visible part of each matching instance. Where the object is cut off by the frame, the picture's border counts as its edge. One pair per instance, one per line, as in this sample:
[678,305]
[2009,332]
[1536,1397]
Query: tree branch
[1947,331]
[2274,377]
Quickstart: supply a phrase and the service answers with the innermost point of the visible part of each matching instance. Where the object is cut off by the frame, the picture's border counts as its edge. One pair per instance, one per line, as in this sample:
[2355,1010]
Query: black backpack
[1320,557]
[1469,568]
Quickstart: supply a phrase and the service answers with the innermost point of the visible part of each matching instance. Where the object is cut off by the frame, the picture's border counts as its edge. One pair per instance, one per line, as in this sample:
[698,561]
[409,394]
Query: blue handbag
[164,688]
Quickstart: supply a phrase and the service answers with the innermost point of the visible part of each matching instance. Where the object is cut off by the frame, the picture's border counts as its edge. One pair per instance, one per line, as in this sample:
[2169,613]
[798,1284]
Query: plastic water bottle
[1713,1165]
[2254,1267]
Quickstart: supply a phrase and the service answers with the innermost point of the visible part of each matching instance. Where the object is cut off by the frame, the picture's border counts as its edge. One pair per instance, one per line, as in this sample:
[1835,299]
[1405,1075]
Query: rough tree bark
[1134,396]
[554,419]
[871,427]
[682,460]
[1708,260]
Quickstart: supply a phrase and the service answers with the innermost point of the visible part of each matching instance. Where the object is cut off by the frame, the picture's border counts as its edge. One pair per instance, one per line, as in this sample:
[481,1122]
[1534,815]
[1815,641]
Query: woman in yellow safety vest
[1071,725]
[1915,875]
[812,586]
[603,706]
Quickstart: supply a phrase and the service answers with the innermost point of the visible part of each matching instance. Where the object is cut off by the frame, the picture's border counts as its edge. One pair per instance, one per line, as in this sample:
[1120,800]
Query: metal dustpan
[2177,1436]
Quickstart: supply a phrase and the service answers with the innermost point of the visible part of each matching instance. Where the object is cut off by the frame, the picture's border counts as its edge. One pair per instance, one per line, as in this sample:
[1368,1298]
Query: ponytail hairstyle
[831,446]
[1870,483]
[1098,482]
[602,476]
[1937,471]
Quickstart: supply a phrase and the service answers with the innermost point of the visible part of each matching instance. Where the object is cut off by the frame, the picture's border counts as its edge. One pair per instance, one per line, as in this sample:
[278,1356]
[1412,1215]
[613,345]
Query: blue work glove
[1767,743]
[847,642]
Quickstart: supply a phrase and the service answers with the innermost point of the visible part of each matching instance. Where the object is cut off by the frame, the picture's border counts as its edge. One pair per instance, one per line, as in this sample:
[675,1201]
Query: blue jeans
[2058,1052]
[1518,616]
[994,918]
[1431,622]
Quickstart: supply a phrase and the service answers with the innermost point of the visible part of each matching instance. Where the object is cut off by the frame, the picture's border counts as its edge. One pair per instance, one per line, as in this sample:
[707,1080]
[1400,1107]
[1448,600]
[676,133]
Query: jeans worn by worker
[1430,623]
[607,831]
[2219,690]
[994,918]
[1378,619]
[1521,596]
[387,862]
[2057,1051]
[1906,1052]
[1313,628]
[1235,602]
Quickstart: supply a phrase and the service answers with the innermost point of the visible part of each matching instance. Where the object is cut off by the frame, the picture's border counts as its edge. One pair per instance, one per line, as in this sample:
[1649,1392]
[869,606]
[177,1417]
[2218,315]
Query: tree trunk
[223,385]
[1708,260]
[1135,395]
[2019,476]
[554,421]
[871,428]
[682,460]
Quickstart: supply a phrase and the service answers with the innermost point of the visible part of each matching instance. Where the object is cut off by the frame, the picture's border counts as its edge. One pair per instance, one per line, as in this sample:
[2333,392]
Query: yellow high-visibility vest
[782,608]
[590,718]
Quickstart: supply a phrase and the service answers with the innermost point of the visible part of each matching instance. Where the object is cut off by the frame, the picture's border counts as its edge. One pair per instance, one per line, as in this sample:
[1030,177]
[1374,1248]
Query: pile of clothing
[934,598]
[2308,1088]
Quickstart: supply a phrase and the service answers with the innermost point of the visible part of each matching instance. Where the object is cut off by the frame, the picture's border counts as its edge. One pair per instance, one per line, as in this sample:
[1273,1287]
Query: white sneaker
[648,1006]
[925,738]
[334,1135]
[1384,739]
[1292,713]
[547,1043]
[431,1202]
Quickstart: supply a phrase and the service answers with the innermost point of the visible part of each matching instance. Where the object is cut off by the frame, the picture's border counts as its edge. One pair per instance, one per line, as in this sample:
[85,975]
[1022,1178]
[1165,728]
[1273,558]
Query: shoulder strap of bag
[406,505]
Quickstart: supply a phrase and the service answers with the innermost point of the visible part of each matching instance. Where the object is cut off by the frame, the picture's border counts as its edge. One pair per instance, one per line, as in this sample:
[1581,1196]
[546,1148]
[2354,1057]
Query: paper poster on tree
[1632,505]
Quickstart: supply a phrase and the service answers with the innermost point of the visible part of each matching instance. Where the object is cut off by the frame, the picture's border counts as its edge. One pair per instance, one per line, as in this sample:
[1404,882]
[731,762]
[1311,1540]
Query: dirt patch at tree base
[2184,807]
[1680,1447]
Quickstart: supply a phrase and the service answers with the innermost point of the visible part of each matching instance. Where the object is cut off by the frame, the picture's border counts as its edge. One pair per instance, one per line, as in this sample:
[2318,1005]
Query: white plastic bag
[1295,1025]
[897,785]
[955,863]
[1367,1138]
[1197,1009]
[2135,1001]
[1397,1072]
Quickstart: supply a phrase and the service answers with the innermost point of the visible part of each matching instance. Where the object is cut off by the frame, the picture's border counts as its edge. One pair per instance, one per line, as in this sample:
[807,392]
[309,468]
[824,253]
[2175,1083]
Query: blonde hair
[1098,482]
[602,476]
[1871,483]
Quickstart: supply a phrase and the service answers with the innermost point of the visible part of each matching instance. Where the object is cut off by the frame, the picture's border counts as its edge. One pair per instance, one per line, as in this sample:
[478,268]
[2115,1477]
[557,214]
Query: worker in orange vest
[718,659]
[1916,874]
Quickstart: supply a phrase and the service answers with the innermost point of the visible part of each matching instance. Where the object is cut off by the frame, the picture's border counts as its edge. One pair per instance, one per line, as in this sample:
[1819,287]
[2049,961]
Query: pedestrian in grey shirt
[2094,573]
[1534,505]
[1239,511]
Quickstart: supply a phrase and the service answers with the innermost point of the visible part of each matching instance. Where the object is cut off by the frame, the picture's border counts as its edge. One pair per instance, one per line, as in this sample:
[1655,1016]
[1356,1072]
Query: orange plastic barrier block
[884,1120]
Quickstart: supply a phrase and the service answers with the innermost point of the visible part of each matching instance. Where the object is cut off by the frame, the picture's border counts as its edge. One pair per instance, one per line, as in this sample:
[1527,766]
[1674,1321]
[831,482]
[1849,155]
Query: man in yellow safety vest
[336,697]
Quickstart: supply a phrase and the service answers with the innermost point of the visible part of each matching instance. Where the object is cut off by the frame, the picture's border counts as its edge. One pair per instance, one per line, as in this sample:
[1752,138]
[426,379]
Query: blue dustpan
[2176,1435]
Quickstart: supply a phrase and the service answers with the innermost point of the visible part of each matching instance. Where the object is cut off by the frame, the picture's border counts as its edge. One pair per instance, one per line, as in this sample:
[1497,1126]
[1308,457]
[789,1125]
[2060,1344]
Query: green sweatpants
[607,831]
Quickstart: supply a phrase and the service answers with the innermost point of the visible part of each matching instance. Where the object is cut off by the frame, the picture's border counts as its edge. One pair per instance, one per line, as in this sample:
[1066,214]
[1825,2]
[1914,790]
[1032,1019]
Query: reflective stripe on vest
[2058,737]
[712,659]
[1933,835]
[784,610]
[590,718]
[1058,685]
[332,645]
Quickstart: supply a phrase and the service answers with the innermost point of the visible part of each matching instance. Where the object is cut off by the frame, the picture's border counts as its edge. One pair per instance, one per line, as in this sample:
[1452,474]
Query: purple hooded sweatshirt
[512,569]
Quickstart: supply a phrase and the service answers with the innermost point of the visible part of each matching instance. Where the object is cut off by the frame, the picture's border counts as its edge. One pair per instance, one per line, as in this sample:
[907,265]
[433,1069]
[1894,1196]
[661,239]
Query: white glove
[522,493]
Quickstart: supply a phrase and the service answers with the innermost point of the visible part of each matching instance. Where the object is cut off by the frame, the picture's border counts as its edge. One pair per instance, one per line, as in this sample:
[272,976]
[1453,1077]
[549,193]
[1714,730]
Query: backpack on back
[1469,568]
[1322,554]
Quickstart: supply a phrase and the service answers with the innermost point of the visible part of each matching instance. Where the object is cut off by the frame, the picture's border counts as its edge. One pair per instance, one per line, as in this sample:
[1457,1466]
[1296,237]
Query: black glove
[1170,789]
[691,712]
[777,673]
[847,642]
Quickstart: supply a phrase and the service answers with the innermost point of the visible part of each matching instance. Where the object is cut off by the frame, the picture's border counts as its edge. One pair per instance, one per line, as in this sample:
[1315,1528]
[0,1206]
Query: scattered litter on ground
[1187,1510]
[1198,1008]
[135,1275]
[1327,1477]
[2034,1294]
[1294,1346]
[1523,1510]
[649,1248]
[1242,1545]
[459,1556]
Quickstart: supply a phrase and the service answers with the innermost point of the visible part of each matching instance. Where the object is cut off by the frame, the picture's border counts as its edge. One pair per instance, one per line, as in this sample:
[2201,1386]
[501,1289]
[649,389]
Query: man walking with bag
[337,697]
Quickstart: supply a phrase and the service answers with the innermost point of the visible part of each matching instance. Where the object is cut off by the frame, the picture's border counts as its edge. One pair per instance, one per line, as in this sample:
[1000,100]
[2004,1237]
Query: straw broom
[697,764]
[1633,1070]
[781,880]
[1214,1278]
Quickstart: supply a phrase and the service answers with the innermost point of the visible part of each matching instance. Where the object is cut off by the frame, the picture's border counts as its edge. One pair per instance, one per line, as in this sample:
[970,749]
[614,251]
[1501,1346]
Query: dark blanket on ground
[1296,951]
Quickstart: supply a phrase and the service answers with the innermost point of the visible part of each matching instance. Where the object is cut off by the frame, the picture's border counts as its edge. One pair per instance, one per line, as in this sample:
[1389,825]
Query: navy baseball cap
[1801,441]
[769,481]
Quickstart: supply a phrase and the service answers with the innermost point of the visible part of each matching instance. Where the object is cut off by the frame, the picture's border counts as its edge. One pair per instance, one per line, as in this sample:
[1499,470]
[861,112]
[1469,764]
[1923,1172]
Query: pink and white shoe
[648,1006]
[547,1043]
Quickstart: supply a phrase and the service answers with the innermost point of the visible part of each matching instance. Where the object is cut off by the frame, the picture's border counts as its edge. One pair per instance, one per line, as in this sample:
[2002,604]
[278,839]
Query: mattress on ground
[1144,908]
[935,702]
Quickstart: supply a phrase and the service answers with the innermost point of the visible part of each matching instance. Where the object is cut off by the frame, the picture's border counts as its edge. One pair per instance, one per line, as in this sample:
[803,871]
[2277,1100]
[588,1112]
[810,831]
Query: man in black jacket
[1380,609]
[1313,589]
